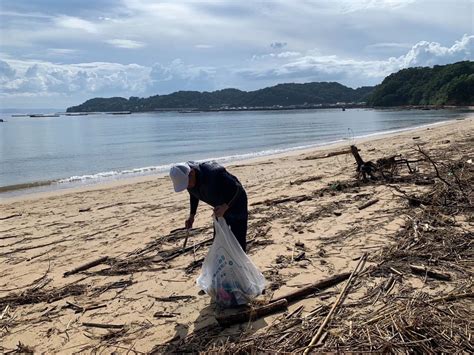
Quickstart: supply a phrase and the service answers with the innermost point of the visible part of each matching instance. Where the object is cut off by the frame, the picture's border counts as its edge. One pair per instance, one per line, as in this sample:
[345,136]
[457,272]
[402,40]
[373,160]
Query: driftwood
[301,181]
[382,167]
[161,314]
[104,326]
[363,168]
[174,298]
[316,287]
[368,204]
[10,216]
[86,266]
[277,201]
[252,314]
[327,155]
[421,270]
[186,239]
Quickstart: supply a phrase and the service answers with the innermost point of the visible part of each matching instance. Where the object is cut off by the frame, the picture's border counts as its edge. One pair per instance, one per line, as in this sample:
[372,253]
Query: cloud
[348,6]
[278,45]
[203,46]
[179,76]
[431,53]
[76,23]
[125,43]
[6,72]
[312,66]
[87,78]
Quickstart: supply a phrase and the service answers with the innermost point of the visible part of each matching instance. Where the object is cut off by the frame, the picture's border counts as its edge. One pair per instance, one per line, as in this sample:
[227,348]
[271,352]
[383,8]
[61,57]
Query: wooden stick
[327,155]
[105,326]
[251,314]
[315,287]
[317,336]
[368,204]
[10,216]
[422,270]
[86,266]
[5,311]
[185,250]
[186,239]
[161,314]
[174,298]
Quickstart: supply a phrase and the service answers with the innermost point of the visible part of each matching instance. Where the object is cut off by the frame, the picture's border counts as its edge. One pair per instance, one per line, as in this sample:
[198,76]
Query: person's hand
[219,211]
[189,222]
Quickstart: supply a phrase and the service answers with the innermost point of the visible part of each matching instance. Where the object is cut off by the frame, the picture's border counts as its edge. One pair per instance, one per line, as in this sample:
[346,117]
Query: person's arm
[193,201]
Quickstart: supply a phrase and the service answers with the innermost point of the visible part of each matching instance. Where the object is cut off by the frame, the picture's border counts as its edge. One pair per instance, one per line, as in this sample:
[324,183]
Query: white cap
[179,174]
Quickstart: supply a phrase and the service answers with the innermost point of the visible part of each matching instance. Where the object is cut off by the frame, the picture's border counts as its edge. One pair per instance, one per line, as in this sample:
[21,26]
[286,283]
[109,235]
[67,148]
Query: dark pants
[239,229]
[237,218]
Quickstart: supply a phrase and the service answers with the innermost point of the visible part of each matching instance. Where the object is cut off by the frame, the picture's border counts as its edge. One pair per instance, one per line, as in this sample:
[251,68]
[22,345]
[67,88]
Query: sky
[59,53]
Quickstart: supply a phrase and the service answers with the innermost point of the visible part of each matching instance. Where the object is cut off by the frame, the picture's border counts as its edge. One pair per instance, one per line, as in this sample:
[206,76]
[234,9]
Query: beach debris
[299,245]
[327,155]
[86,266]
[368,204]
[85,209]
[174,298]
[252,314]
[340,299]
[162,314]
[103,325]
[81,309]
[384,168]
[314,288]
[424,271]
[300,256]
[10,216]
[308,179]
[121,204]
[186,239]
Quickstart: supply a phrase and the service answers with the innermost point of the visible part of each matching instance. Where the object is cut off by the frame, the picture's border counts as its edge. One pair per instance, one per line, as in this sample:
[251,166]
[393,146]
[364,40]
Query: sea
[49,153]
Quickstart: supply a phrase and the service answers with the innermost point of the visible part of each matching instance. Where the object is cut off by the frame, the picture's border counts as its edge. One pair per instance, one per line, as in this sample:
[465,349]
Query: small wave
[152,170]
[113,174]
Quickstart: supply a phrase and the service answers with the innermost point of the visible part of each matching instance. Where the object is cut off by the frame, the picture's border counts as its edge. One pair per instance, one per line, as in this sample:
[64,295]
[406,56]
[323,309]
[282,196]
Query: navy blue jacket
[216,186]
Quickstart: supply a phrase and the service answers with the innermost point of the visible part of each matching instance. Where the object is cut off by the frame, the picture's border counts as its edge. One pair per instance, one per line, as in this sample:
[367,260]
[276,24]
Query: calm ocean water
[69,150]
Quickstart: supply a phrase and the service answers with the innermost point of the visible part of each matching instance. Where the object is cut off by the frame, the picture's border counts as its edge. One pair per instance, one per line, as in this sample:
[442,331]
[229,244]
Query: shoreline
[52,188]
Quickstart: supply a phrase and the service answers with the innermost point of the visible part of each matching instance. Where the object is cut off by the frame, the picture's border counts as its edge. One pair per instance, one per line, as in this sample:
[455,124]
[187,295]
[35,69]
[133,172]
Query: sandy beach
[147,287]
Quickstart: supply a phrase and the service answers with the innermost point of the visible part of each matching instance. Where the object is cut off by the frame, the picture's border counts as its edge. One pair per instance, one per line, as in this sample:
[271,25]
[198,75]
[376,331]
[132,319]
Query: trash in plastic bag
[228,275]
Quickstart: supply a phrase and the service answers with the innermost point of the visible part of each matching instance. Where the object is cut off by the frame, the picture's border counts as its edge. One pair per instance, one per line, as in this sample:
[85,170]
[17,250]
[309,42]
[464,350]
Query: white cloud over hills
[112,79]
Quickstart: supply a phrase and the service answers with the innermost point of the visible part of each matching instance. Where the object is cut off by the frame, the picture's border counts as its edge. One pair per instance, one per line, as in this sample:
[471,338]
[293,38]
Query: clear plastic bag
[228,275]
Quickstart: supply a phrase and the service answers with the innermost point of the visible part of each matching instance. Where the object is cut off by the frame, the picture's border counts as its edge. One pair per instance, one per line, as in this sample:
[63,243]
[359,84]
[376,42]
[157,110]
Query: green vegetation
[287,95]
[451,84]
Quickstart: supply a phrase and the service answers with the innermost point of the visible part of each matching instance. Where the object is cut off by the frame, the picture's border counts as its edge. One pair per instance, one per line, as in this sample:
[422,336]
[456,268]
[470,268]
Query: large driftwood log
[251,314]
[316,287]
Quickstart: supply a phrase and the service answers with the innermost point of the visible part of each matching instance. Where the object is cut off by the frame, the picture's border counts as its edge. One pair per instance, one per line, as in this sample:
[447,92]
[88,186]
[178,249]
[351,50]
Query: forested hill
[451,84]
[286,95]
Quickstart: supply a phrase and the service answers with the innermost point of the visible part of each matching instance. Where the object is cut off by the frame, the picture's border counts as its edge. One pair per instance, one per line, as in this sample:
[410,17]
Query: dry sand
[44,236]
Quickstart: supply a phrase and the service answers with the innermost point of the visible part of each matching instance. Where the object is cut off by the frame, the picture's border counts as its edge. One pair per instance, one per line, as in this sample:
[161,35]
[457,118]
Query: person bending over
[213,184]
